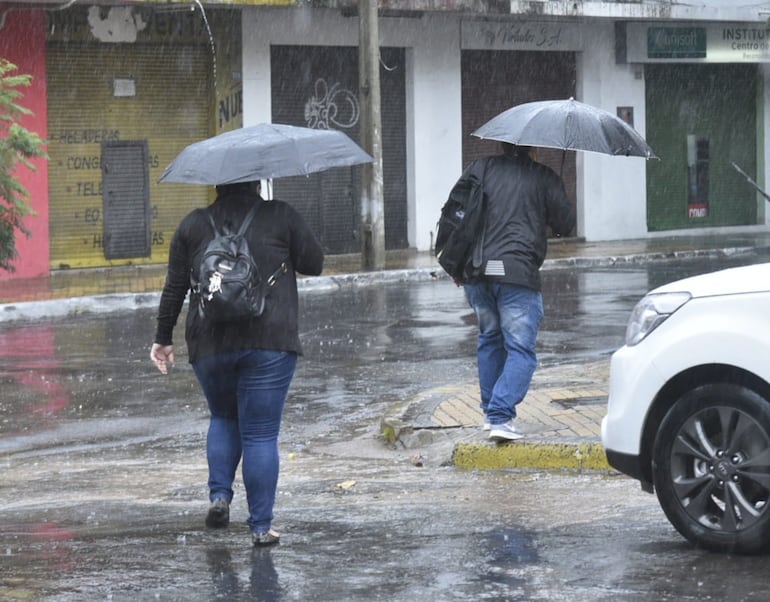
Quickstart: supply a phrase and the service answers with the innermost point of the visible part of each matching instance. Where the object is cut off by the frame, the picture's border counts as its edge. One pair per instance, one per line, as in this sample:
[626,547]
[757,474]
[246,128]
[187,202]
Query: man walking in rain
[524,198]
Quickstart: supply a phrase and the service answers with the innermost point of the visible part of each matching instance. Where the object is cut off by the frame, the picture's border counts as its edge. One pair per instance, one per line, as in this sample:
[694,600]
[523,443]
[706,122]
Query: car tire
[711,468]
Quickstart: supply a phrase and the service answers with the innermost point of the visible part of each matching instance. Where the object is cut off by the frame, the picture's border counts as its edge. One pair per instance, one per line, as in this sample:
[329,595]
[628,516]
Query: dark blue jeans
[509,317]
[246,391]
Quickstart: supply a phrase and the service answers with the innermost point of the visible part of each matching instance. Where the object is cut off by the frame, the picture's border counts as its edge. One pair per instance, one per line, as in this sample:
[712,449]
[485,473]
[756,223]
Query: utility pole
[372,199]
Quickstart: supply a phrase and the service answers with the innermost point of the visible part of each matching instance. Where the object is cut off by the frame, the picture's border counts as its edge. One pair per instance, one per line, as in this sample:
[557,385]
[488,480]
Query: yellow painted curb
[546,456]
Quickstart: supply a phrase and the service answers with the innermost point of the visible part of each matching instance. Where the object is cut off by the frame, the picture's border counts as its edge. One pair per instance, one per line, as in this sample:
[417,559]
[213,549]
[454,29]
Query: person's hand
[162,356]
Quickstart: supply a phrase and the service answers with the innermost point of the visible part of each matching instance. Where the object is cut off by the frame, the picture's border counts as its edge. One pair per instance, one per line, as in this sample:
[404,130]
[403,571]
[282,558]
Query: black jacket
[524,198]
[277,232]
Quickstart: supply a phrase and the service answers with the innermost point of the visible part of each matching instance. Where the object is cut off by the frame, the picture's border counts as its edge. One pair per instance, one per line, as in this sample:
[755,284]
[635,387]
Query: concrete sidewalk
[142,280]
[562,413]
[560,417]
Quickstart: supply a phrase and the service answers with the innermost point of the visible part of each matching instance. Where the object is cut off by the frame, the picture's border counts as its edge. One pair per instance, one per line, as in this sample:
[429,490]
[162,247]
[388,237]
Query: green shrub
[17,146]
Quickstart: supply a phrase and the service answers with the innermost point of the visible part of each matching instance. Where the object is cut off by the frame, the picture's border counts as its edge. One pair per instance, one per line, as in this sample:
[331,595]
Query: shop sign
[520,35]
[711,43]
[676,42]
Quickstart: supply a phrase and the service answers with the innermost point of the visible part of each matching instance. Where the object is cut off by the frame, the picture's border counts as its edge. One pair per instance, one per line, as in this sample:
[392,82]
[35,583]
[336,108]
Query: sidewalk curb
[560,417]
[543,455]
[579,455]
[111,302]
[642,258]
[74,306]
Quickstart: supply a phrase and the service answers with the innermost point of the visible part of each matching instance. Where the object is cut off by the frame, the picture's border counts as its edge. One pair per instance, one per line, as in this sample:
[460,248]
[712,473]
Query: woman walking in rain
[244,367]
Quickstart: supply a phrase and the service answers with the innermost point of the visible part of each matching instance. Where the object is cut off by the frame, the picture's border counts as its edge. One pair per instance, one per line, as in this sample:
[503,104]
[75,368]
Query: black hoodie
[277,232]
[524,198]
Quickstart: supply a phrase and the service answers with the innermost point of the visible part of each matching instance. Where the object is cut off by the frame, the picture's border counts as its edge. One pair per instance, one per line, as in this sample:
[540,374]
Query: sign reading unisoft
[676,42]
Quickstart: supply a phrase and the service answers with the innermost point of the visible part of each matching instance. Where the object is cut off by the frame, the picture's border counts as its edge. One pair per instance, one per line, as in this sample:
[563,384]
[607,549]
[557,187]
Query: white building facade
[606,54]
[130,86]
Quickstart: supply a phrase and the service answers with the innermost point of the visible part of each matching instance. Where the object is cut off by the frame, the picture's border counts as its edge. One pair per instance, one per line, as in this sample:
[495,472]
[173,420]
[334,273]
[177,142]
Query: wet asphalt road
[103,490]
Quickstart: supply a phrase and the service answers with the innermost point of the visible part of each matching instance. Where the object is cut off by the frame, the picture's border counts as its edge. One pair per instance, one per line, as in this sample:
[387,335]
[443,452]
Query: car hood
[733,281]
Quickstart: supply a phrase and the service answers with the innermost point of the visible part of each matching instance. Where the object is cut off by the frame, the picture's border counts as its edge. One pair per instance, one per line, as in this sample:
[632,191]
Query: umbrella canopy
[264,151]
[566,125]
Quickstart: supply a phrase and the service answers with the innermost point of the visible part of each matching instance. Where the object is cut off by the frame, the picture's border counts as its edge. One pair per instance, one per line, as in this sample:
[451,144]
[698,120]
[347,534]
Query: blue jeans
[246,391]
[509,317]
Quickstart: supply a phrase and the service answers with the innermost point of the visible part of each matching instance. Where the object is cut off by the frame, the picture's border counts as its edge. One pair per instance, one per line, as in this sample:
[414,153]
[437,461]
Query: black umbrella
[264,151]
[566,125]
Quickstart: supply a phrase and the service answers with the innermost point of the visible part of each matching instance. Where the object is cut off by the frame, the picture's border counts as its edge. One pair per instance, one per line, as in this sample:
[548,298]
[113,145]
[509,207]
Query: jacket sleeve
[176,286]
[560,214]
[307,255]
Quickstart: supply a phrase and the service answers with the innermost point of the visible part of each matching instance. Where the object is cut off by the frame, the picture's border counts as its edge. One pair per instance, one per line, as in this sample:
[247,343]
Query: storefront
[131,86]
[496,80]
[507,63]
[705,107]
[317,87]
[128,88]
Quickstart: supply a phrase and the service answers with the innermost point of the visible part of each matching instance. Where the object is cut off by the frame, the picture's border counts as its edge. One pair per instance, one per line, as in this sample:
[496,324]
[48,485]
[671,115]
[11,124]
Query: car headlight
[650,313]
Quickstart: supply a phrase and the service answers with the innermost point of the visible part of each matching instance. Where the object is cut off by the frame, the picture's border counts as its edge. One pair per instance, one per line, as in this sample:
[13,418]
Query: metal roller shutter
[493,81]
[318,87]
[108,93]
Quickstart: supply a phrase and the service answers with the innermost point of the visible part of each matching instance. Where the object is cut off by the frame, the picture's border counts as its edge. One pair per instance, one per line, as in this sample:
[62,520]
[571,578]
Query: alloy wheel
[720,469]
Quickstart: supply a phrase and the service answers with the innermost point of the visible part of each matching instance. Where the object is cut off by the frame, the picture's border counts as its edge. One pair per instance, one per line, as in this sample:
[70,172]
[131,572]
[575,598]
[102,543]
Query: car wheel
[711,468]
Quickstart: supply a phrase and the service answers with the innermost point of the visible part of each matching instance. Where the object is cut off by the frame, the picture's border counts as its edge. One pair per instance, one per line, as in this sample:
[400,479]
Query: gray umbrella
[568,125]
[264,151]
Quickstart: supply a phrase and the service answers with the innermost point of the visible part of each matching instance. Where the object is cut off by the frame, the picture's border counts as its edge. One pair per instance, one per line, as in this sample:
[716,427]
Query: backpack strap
[211,221]
[247,220]
[195,285]
[244,226]
[477,255]
[280,271]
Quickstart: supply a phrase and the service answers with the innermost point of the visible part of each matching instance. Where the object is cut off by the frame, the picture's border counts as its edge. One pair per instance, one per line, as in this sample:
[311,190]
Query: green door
[701,119]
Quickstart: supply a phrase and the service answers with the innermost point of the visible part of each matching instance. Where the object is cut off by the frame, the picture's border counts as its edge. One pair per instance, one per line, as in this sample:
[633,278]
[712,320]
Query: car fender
[701,333]
[706,333]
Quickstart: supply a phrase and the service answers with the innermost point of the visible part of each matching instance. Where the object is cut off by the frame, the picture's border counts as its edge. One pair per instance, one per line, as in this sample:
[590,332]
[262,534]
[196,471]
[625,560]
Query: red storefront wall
[22,42]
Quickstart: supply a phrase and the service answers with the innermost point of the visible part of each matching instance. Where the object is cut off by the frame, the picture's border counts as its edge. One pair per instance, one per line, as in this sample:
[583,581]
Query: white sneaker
[505,432]
[486,426]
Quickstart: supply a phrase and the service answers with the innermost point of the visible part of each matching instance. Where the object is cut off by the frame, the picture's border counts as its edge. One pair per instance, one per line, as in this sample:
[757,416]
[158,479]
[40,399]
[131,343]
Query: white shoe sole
[497,435]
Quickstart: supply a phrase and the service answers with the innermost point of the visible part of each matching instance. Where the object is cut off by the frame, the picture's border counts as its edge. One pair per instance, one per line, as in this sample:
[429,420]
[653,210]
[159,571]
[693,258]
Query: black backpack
[228,284]
[459,235]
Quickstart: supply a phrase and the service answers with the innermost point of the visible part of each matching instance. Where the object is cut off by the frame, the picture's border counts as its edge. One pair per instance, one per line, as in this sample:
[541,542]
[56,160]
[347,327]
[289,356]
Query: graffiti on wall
[125,24]
[331,106]
[119,24]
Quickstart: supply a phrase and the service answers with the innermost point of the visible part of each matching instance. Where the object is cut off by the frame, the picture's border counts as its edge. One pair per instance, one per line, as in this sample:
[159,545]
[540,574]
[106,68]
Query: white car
[689,406]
